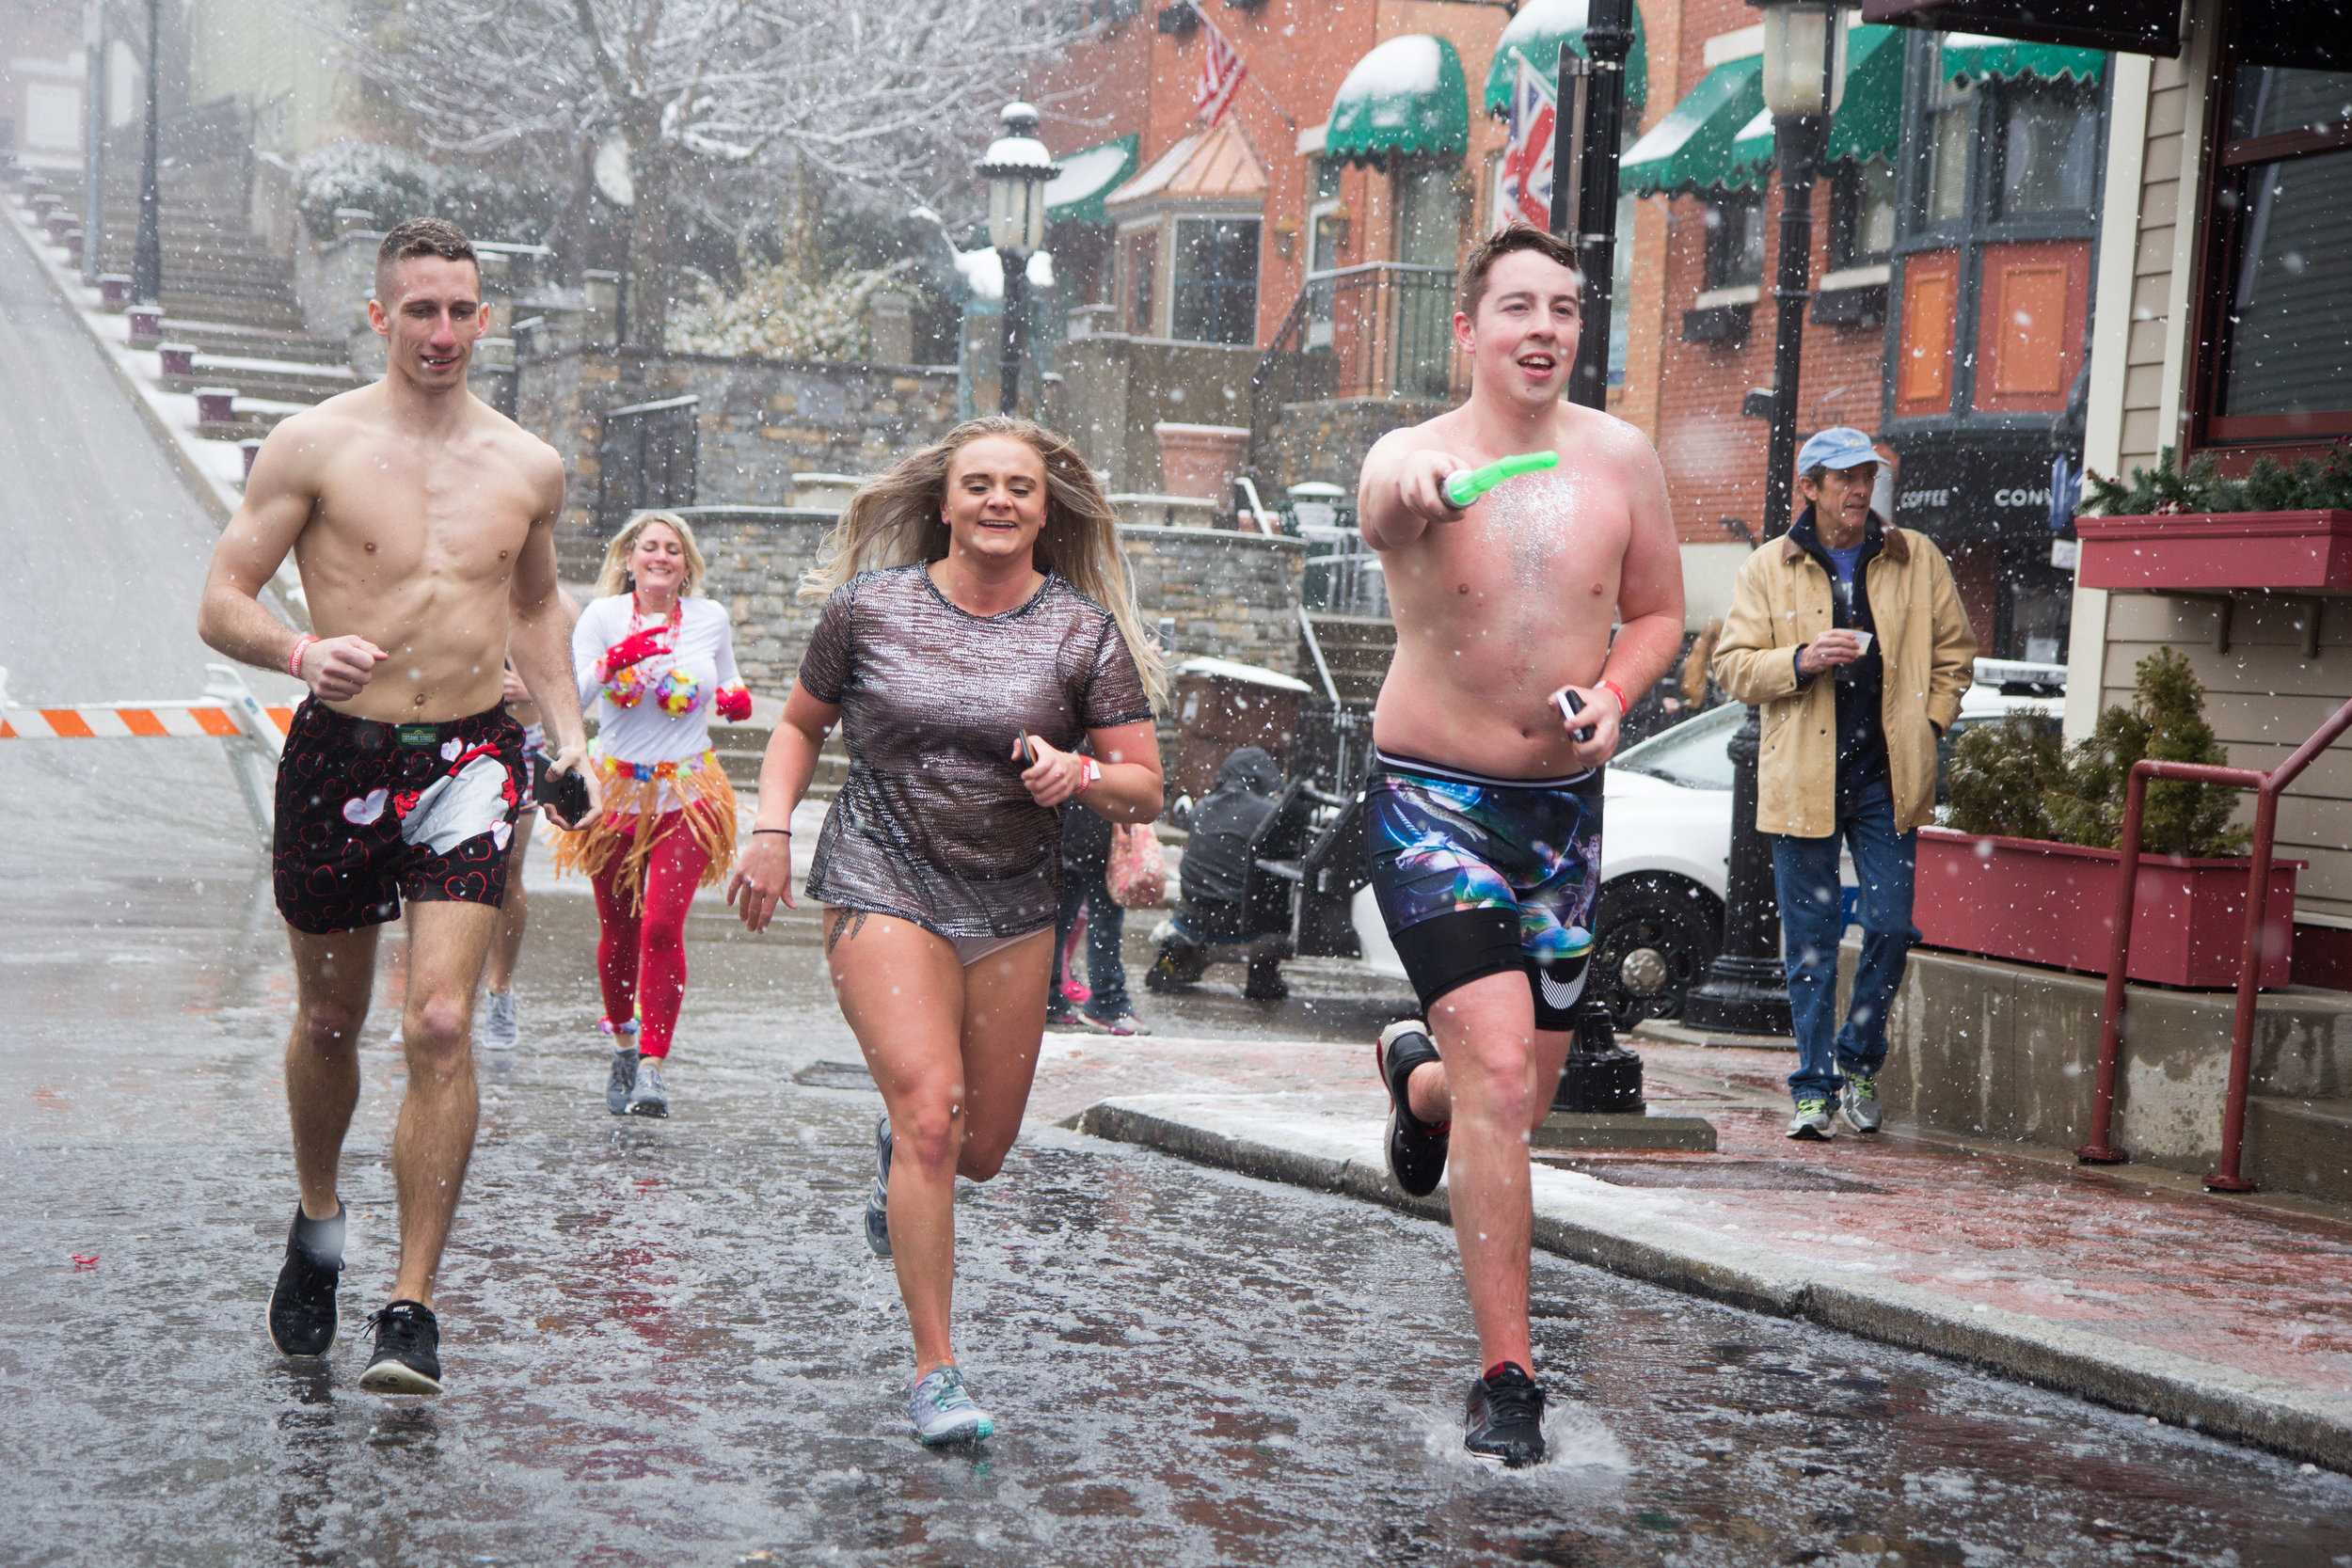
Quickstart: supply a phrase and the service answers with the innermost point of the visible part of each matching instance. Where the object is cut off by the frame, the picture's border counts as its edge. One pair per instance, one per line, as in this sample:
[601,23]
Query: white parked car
[1666,848]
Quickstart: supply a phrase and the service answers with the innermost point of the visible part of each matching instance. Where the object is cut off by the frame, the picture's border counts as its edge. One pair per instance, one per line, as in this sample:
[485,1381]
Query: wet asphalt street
[665,1343]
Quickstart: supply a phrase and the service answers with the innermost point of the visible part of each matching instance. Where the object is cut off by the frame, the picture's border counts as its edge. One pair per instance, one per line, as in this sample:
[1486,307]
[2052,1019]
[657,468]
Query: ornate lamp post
[1804,59]
[147,257]
[1016,166]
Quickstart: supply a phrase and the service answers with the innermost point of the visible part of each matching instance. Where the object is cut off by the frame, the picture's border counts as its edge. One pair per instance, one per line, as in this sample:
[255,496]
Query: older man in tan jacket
[1849,635]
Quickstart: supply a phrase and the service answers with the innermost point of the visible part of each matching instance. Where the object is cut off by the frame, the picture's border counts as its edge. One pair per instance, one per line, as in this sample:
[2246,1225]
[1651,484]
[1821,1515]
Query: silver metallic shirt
[934,824]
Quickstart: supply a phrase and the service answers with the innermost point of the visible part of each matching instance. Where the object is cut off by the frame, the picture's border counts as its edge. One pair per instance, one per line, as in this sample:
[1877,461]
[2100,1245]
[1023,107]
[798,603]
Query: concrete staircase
[2301,1145]
[1356,649]
[226,295]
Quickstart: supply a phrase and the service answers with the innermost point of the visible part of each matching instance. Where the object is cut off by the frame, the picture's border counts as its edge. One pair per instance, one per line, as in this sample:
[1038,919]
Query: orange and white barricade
[253,735]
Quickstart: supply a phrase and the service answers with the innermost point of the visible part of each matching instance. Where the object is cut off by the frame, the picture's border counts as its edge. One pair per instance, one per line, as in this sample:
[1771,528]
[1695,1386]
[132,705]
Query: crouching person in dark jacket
[1214,874]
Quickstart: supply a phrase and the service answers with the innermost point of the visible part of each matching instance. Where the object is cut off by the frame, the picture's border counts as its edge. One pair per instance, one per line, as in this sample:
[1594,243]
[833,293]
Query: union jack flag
[1526,154]
[1222,69]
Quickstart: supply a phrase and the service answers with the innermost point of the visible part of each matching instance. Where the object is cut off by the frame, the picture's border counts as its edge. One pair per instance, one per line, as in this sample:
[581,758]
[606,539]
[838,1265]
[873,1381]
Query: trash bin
[1222,705]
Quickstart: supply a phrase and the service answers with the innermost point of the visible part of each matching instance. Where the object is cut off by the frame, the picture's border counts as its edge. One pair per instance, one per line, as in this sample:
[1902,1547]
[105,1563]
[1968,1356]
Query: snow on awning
[1869,118]
[1965,56]
[1088,176]
[1690,150]
[1540,30]
[1405,99]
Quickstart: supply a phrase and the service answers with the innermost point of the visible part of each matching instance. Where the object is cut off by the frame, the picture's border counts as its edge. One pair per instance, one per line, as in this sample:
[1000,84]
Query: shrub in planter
[2009,780]
[2313,485]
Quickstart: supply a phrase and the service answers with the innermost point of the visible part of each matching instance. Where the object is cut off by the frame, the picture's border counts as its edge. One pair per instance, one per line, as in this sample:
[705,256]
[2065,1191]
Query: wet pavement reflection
[666,1342]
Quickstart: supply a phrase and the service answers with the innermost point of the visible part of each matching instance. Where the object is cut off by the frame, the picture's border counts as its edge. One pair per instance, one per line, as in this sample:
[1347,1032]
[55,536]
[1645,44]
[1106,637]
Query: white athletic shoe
[944,1411]
[499,1027]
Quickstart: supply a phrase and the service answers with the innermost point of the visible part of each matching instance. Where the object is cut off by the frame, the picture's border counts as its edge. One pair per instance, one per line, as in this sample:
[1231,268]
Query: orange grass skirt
[631,824]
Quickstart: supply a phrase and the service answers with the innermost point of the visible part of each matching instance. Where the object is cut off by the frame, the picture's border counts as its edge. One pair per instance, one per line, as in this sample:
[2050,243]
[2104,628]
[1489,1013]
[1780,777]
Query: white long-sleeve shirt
[647,733]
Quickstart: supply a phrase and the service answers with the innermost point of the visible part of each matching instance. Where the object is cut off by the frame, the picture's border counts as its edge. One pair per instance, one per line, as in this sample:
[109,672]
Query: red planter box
[2307,552]
[2042,903]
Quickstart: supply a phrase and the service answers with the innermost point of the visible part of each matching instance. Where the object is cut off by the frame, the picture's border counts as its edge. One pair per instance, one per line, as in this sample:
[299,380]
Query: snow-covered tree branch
[728,106]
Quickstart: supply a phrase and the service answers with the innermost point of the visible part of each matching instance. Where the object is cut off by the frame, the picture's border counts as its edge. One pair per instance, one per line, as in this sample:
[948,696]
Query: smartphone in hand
[566,793]
[1570,705]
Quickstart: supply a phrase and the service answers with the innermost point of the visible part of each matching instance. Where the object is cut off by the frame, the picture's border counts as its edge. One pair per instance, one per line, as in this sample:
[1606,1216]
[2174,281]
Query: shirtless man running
[423,522]
[1484,804]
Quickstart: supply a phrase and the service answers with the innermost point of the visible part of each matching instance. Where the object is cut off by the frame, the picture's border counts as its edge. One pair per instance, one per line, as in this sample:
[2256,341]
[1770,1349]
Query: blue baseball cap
[1839,447]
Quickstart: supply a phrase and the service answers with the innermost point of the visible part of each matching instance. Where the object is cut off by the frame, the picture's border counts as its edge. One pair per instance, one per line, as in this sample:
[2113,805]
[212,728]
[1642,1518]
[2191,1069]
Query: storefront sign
[1951,487]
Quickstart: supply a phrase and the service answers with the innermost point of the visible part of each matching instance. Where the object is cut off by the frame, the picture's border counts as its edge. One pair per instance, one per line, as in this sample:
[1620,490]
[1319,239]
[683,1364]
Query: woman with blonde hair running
[977,624]
[656,659]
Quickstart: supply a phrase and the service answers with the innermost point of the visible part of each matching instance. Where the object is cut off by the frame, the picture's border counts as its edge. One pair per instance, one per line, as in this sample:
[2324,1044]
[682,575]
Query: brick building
[1292,269]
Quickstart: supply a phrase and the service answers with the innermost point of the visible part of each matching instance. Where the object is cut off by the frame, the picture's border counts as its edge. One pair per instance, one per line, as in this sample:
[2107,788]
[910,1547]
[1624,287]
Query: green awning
[1970,56]
[1538,32]
[1076,195]
[1691,149]
[1869,118]
[1407,98]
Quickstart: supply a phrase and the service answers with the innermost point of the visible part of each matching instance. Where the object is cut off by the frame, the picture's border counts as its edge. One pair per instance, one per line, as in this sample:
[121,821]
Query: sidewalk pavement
[2123,1285]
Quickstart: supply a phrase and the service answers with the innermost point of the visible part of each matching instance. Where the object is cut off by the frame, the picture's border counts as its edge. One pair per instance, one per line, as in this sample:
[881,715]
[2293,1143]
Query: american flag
[1221,73]
[1527,153]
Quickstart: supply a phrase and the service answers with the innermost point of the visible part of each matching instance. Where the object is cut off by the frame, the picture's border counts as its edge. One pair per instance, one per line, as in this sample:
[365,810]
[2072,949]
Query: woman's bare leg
[902,991]
[1004,1022]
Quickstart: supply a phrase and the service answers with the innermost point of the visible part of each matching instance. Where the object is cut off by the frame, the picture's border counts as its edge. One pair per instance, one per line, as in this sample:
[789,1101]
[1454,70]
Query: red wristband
[1093,769]
[1611,687]
[293,662]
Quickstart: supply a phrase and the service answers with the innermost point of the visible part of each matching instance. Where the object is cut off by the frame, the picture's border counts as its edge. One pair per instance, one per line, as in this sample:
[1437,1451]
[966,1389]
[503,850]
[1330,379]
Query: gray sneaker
[1812,1122]
[499,1027]
[616,1088]
[878,1200]
[1859,1101]
[649,1095]
[944,1411]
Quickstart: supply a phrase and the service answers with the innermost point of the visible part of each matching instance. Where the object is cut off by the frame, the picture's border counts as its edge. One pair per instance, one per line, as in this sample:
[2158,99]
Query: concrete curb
[2221,1400]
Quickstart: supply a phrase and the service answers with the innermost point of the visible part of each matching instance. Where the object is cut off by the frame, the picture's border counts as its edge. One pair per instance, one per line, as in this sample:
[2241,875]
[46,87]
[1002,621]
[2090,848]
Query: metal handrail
[2226,1177]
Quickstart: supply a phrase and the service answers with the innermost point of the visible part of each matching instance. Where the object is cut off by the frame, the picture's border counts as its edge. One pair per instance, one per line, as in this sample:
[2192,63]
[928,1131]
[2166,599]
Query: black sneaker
[1504,1424]
[302,1305]
[407,1350]
[1416,1150]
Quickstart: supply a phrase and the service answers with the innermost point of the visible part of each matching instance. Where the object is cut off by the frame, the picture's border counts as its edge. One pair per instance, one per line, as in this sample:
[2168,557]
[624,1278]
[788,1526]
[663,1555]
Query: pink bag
[1137,874]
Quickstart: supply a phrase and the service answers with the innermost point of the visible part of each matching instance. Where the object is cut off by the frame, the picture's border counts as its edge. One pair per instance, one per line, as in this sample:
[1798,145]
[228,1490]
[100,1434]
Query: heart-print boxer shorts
[369,813]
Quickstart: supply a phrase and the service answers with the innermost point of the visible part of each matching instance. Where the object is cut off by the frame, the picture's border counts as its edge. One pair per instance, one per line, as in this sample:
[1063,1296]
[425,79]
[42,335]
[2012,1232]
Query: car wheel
[1654,934]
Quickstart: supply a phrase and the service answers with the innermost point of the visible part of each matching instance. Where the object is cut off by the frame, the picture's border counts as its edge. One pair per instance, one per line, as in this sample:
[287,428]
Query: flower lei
[677,690]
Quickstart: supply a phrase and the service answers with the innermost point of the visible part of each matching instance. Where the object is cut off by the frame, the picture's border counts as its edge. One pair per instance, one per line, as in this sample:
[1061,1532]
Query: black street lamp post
[1746,989]
[147,258]
[1590,129]
[1016,166]
[94,143]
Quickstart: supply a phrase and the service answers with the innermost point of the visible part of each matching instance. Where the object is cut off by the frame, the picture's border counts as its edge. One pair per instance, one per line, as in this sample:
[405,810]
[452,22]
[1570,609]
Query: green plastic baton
[1465,487]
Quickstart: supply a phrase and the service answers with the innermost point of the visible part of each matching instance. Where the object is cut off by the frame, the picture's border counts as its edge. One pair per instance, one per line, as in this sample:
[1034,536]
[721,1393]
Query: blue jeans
[1813,919]
[1106,924]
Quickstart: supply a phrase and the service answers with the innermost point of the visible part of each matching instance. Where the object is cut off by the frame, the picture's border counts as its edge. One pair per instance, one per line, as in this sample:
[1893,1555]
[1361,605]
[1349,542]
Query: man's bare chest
[462,519]
[1544,539]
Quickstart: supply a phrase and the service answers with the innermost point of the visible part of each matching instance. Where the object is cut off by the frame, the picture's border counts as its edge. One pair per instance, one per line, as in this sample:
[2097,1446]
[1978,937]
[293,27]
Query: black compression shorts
[1479,875]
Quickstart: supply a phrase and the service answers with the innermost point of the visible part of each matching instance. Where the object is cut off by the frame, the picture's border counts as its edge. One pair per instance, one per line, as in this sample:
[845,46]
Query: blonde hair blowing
[613,580]
[896,521]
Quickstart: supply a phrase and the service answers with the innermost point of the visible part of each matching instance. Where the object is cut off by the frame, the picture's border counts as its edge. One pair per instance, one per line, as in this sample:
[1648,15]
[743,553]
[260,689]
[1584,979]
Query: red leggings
[641,956]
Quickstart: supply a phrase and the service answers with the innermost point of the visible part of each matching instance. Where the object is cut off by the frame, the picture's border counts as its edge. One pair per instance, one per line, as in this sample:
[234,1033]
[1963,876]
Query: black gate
[646,459]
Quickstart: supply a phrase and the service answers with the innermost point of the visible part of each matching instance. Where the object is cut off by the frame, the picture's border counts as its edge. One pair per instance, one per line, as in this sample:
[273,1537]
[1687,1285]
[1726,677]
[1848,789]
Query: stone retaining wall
[1231,595]
[760,420]
[1325,440]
